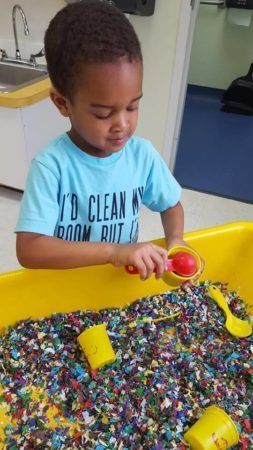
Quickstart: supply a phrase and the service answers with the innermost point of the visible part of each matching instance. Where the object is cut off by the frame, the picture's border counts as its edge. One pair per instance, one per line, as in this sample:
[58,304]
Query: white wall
[38,13]
[221,51]
[158,35]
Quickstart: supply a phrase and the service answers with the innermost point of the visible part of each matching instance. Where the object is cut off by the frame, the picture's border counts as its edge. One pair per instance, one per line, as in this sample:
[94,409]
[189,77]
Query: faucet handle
[3,54]
[39,54]
[33,56]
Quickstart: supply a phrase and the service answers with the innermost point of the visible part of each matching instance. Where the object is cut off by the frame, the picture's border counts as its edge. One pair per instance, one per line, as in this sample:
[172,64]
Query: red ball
[184,264]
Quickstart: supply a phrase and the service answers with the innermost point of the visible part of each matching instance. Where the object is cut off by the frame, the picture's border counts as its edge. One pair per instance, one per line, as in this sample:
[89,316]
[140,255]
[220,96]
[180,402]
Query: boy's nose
[120,123]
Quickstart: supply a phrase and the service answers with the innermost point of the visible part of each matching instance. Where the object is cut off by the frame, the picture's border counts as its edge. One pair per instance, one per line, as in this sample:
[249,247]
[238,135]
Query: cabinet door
[13,156]
[41,123]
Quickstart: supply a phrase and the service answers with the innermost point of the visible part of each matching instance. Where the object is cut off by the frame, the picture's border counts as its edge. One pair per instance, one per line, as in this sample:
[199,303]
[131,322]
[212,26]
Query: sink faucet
[4,58]
[26,30]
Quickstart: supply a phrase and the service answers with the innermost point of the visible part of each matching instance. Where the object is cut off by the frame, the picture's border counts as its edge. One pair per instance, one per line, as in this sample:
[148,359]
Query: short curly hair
[90,31]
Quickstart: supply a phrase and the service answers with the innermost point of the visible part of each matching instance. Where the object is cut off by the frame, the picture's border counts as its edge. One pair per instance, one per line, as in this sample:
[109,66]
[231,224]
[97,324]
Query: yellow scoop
[236,327]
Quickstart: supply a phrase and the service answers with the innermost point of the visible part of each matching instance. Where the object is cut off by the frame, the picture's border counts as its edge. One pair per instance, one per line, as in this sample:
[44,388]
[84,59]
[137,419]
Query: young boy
[84,190]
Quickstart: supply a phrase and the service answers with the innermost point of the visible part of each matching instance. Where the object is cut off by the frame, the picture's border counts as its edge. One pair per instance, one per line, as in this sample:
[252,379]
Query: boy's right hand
[145,256]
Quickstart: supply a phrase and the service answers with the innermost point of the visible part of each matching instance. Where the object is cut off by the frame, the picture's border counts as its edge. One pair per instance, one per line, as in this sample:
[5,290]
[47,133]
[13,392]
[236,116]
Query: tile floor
[207,160]
[201,211]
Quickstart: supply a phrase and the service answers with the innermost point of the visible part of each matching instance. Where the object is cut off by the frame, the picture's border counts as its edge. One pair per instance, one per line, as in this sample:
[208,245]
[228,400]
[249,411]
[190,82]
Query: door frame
[178,88]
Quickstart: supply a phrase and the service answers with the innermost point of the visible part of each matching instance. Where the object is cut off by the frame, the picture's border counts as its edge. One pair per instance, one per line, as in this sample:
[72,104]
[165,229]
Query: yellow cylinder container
[172,278]
[96,346]
[214,430]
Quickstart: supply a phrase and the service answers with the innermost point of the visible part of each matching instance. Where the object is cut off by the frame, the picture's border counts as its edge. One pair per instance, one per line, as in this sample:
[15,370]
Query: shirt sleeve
[162,190]
[39,210]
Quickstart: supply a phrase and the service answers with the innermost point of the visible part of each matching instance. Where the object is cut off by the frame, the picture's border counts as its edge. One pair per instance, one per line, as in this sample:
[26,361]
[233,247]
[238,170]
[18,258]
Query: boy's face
[104,109]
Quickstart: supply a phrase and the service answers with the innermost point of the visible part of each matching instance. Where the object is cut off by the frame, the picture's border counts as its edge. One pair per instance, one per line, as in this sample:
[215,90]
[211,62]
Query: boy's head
[87,32]
[95,64]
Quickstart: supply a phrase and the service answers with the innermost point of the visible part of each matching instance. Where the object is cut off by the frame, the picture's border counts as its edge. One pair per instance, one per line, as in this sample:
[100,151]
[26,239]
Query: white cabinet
[13,156]
[24,132]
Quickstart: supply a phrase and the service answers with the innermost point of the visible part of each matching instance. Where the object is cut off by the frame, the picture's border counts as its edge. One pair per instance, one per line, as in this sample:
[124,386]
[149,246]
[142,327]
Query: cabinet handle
[215,2]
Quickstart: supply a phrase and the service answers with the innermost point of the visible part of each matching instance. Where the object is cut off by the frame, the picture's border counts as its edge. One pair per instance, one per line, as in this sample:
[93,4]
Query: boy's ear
[61,102]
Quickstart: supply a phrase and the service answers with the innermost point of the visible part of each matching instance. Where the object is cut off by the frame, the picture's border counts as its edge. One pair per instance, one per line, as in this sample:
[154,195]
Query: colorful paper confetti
[167,372]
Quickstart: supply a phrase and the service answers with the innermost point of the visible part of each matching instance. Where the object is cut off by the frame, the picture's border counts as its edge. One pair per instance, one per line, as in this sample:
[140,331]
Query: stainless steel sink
[14,76]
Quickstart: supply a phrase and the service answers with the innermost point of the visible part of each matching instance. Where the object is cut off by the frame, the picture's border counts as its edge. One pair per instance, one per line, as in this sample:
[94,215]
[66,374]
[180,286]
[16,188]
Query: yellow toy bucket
[97,347]
[214,430]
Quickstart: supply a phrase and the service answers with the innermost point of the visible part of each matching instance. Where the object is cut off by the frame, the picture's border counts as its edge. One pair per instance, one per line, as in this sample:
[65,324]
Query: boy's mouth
[119,141]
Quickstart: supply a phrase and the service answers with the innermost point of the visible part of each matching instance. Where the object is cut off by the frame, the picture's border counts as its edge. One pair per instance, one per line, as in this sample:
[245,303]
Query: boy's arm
[37,251]
[173,225]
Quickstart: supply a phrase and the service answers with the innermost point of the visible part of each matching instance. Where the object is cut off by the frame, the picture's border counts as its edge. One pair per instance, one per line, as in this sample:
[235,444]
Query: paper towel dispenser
[244,4]
[139,7]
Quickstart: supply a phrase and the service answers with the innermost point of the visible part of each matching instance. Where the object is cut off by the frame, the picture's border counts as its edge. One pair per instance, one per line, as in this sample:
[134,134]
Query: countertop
[27,95]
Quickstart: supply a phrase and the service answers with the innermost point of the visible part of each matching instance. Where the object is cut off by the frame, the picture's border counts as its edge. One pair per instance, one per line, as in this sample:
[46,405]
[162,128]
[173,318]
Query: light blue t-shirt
[79,197]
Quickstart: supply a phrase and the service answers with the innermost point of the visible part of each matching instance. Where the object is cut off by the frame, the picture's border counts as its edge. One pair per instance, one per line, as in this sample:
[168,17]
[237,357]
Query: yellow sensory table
[227,251]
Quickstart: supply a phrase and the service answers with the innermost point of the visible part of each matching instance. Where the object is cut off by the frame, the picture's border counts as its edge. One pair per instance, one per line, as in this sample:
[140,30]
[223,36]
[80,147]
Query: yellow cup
[175,280]
[214,430]
[97,346]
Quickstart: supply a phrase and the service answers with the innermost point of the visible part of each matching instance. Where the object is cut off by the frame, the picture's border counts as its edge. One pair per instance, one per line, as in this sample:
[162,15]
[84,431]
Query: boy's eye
[102,117]
[134,106]
[132,109]
[129,109]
